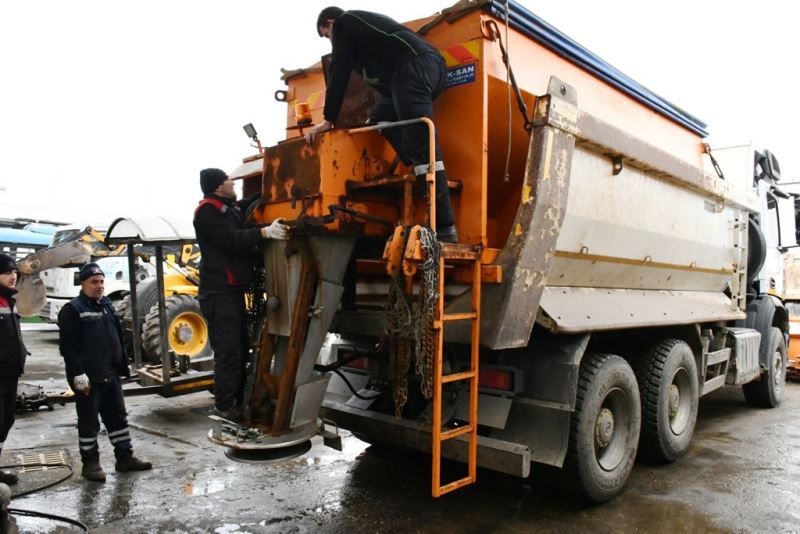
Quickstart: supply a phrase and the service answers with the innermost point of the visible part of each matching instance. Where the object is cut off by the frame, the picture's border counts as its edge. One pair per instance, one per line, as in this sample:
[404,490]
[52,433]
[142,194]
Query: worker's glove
[276,230]
[324,126]
[81,383]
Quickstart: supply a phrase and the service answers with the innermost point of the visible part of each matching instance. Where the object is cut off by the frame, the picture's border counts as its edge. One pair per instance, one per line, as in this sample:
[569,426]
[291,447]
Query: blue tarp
[526,22]
[24,237]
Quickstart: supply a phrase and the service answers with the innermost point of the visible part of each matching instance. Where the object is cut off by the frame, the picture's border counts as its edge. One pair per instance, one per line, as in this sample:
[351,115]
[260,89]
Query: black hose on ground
[53,517]
[33,513]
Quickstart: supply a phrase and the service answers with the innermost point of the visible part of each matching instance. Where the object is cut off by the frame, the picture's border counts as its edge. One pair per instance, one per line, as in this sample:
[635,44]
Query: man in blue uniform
[227,256]
[408,73]
[91,344]
[12,353]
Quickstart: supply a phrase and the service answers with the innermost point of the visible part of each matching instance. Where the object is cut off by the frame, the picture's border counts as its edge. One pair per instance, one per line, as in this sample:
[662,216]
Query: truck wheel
[604,428]
[767,390]
[667,376]
[187,330]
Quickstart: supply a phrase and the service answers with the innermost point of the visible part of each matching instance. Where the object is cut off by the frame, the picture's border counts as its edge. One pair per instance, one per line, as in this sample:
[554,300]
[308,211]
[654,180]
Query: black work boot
[93,471]
[8,478]
[447,234]
[132,463]
[234,414]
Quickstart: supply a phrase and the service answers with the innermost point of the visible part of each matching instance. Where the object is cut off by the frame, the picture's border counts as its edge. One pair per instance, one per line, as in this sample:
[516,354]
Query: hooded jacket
[373,46]
[12,348]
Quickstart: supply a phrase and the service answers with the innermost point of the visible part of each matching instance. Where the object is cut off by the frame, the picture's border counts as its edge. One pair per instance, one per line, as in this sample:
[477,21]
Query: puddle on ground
[194,487]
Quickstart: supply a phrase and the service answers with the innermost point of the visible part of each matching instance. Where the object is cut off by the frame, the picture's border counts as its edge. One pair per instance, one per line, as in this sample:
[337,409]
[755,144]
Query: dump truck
[612,267]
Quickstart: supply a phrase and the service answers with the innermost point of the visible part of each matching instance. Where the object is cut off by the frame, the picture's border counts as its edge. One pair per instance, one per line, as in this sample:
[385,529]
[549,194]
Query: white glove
[81,383]
[276,230]
[324,126]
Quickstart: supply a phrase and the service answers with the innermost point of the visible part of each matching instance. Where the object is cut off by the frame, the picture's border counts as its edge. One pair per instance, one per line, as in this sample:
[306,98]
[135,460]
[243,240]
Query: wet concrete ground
[742,474]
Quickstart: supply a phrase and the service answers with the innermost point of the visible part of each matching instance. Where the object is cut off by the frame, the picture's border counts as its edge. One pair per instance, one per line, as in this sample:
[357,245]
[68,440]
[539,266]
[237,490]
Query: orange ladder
[456,254]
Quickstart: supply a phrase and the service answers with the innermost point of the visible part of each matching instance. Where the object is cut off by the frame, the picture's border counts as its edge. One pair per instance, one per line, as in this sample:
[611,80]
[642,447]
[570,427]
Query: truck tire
[187,330]
[669,392]
[767,390]
[604,428]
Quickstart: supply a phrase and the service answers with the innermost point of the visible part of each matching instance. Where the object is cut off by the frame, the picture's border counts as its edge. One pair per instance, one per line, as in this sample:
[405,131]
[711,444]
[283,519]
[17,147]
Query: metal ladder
[740,243]
[439,379]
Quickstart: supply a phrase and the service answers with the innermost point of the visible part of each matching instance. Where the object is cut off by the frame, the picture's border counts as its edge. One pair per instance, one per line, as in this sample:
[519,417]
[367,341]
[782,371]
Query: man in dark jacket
[91,344]
[227,255]
[408,73]
[12,353]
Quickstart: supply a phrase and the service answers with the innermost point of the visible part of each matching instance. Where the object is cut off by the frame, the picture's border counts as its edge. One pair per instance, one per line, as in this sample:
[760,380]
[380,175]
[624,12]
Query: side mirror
[770,168]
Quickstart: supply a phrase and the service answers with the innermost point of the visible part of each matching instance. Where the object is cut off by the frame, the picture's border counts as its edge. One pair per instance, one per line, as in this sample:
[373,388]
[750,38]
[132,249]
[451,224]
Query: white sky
[110,108]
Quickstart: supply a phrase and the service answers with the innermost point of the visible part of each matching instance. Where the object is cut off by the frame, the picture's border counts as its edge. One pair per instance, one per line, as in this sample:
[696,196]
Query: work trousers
[8,405]
[414,86]
[227,332]
[106,400]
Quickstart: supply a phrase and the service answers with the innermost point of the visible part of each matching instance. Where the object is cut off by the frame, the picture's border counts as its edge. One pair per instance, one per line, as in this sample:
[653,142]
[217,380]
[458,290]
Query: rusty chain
[410,318]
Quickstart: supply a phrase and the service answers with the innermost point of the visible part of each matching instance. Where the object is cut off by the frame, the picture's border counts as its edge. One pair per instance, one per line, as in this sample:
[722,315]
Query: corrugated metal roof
[523,20]
[151,229]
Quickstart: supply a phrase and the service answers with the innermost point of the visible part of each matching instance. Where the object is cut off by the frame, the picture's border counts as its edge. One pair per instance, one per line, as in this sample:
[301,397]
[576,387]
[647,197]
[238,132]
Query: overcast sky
[110,108]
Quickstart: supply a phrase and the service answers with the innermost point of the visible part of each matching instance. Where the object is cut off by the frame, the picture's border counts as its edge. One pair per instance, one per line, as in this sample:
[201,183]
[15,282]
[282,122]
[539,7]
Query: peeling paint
[517,230]
[526,194]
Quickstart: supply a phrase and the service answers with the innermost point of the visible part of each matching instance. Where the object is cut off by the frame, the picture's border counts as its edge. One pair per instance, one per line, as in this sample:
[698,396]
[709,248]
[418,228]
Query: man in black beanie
[12,353]
[227,255]
[91,344]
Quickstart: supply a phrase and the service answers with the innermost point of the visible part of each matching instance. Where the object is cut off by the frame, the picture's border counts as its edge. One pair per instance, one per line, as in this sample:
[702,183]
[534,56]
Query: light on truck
[496,379]
[250,130]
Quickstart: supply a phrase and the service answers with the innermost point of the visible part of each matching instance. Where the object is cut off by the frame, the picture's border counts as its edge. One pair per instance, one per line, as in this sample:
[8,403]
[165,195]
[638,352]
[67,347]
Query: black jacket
[90,340]
[373,46]
[12,349]
[227,249]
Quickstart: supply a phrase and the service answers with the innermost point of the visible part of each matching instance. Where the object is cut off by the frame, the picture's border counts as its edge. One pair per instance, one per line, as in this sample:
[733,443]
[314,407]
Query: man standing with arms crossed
[227,252]
[91,344]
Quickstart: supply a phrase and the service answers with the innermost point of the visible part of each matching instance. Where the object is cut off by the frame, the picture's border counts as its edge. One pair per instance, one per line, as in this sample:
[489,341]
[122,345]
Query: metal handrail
[430,176]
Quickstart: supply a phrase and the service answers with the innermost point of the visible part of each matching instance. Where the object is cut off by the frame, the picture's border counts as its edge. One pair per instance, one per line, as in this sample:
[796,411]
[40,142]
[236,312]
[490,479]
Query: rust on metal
[290,167]
[297,338]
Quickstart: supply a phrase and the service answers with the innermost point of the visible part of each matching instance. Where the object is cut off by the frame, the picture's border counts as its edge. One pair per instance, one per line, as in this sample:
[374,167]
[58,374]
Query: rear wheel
[667,376]
[187,330]
[604,428]
[767,390]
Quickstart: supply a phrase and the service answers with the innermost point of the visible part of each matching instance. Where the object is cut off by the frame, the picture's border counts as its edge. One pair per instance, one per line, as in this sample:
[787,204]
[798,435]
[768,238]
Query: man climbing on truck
[408,73]
[225,272]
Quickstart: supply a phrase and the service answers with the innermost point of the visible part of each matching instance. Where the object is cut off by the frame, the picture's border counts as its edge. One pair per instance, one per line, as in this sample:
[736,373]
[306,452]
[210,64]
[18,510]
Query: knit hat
[89,270]
[7,264]
[211,179]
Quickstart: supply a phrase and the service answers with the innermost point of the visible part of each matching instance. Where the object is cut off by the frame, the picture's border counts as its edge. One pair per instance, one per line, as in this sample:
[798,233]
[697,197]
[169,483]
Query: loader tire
[146,298]
[669,392]
[125,318]
[187,330]
[767,390]
[604,428]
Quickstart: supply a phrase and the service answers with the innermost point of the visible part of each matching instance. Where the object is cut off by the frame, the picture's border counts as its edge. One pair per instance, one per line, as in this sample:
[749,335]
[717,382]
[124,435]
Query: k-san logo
[460,75]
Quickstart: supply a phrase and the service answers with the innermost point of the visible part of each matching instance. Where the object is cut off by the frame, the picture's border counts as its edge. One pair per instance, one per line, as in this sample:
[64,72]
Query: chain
[429,299]
[411,319]
[255,304]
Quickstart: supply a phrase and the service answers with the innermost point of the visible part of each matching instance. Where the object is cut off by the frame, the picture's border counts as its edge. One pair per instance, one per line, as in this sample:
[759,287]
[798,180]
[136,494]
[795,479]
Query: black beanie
[7,264]
[89,270]
[210,180]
